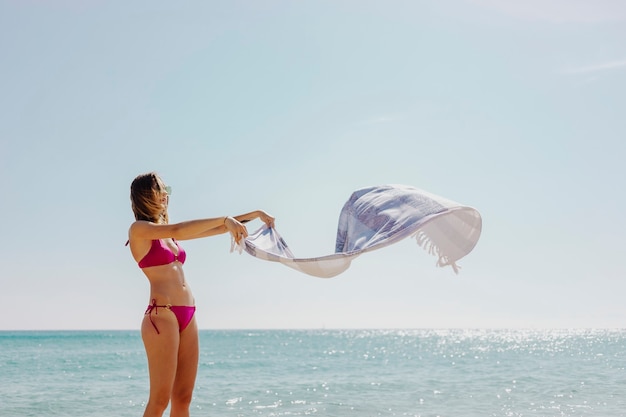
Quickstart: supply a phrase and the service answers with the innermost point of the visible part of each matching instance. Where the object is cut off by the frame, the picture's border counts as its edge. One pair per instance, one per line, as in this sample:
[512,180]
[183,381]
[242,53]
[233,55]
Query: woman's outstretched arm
[240,219]
[194,229]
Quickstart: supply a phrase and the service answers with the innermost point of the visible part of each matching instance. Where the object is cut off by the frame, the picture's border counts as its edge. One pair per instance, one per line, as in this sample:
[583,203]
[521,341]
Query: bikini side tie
[155,307]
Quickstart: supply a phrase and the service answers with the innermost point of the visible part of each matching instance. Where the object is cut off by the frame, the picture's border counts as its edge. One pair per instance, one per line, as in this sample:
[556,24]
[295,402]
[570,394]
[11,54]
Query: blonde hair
[145,197]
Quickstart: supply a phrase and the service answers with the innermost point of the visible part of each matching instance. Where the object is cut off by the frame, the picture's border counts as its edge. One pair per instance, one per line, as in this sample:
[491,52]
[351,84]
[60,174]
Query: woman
[169,330]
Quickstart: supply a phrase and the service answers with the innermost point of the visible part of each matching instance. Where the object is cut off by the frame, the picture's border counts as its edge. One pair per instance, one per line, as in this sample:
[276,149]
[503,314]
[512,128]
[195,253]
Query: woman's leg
[162,352]
[186,371]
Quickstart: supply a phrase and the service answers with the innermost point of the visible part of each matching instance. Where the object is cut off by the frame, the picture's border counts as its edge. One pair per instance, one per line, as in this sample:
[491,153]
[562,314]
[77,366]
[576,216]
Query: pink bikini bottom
[183,314]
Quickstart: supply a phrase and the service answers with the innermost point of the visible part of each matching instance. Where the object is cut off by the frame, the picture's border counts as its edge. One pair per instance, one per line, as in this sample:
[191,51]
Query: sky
[513,108]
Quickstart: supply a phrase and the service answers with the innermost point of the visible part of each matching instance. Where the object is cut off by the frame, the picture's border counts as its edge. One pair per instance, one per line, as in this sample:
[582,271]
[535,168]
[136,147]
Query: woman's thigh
[162,352]
[188,353]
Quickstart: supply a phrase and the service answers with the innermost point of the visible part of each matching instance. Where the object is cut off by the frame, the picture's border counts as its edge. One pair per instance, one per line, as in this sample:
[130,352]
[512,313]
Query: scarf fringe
[424,241]
[239,247]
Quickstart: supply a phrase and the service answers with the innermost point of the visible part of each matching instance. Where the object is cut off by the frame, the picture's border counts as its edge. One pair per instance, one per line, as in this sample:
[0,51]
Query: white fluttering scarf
[375,217]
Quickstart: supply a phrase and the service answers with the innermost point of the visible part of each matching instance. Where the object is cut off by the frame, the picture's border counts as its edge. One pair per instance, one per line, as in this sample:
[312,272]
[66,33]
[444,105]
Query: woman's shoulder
[143,229]
[138,226]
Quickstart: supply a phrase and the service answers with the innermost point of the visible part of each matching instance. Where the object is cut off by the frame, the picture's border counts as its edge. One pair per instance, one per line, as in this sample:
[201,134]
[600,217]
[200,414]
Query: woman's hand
[237,230]
[266,218]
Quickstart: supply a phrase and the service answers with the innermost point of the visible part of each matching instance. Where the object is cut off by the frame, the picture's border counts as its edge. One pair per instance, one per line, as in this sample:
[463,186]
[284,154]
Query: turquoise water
[327,373]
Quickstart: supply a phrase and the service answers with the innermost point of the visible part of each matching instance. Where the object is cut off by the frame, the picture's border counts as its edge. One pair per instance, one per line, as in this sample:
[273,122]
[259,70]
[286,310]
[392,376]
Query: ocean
[335,373]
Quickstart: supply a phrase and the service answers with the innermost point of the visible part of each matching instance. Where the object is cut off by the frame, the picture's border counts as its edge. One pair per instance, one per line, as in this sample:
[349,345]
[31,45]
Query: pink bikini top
[161,254]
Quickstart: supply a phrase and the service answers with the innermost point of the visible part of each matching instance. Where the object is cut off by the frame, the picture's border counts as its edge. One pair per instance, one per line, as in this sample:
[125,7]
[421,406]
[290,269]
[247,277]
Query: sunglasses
[168,190]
